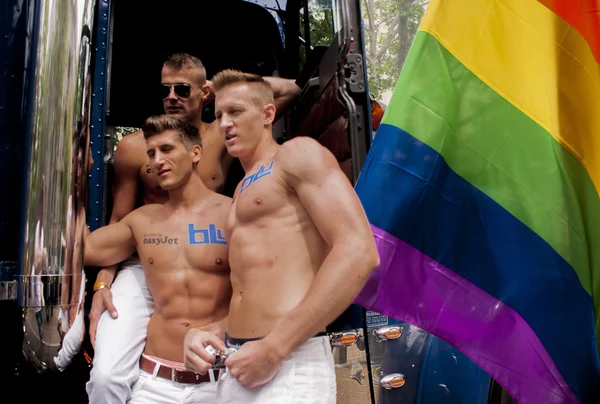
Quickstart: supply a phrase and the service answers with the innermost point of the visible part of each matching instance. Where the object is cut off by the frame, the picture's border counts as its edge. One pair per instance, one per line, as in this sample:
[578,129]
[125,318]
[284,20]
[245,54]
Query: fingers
[108,303]
[93,335]
[195,363]
[199,351]
[101,301]
[94,318]
[212,339]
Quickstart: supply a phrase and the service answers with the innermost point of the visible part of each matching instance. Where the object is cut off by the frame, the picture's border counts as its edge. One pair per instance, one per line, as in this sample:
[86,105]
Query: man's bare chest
[193,244]
[262,196]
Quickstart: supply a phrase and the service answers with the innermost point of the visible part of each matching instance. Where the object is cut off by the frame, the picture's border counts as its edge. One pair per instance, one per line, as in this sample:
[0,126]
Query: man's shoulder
[131,151]
[146,211]
[299,148]
[303,155]
[132,140]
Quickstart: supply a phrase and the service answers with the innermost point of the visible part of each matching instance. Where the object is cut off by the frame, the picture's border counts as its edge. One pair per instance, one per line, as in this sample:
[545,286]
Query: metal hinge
[355,73]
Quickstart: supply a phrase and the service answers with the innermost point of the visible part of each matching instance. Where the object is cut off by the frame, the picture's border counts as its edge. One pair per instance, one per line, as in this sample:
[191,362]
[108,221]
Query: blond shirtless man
[300,250]
[184,258]
[120,338]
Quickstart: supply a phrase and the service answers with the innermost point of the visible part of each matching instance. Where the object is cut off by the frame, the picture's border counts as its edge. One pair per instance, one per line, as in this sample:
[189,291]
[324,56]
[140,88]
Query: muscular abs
[275,251]
[186,266]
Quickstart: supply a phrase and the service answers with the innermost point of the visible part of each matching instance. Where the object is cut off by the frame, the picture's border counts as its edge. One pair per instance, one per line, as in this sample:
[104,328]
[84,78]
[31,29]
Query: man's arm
[328,197]
[109,245]
[125,189]
[285,92]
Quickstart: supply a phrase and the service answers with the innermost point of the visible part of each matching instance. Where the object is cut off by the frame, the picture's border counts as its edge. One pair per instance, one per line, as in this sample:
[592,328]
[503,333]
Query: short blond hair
[227,77]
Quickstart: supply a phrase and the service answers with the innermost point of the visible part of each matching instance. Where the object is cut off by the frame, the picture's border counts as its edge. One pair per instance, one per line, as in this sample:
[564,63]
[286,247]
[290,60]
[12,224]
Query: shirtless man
[184,258]
[300,250]
[120,338]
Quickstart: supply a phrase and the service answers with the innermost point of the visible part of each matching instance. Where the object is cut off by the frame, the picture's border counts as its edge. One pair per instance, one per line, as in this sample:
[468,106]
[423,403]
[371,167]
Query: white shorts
[156,390]
[120,342]
[307,376]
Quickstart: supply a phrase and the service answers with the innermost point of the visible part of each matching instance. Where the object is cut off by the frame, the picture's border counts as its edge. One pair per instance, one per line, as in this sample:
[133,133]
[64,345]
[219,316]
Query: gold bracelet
[100,285]
[199,328]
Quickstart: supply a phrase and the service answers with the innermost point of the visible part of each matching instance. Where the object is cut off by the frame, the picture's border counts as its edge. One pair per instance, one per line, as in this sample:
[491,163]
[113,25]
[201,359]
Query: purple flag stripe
[414,288]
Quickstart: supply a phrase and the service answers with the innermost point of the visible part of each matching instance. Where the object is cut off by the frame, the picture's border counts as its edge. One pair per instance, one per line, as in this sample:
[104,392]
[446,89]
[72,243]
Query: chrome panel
[51,280]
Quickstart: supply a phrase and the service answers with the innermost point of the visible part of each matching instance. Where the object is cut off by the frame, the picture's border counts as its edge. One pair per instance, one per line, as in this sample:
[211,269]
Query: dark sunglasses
[181,90]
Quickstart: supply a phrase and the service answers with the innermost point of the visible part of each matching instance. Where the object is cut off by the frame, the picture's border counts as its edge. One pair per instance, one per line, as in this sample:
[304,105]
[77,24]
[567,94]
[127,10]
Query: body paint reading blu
[212,235]
[263,171]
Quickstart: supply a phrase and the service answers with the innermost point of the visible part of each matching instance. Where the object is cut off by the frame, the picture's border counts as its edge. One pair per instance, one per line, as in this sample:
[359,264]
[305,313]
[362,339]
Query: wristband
[100,285]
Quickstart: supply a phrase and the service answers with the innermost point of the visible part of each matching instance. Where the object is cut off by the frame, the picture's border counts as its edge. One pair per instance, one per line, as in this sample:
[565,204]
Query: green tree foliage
[390,27]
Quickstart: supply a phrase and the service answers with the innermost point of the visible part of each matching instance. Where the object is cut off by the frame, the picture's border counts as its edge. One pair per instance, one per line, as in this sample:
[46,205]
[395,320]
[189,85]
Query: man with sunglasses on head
[119,336]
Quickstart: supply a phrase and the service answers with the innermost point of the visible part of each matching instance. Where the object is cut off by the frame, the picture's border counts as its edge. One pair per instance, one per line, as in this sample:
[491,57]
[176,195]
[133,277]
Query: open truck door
[324,45]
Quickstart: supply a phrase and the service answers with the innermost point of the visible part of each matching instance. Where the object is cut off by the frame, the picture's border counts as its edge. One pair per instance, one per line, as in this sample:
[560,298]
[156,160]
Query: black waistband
[236,343]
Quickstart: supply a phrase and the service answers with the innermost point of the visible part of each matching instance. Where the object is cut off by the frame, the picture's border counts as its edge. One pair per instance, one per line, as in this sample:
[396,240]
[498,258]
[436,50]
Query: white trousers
[120,342]
[307,376]
[156,390]
[71,344]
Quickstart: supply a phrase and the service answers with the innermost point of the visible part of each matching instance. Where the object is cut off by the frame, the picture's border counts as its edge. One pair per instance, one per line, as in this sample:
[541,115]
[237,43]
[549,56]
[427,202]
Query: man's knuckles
[195,363]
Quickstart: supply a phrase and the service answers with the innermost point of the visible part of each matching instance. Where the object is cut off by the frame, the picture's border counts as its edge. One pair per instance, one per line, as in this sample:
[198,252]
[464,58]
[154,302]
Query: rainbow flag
[481,187]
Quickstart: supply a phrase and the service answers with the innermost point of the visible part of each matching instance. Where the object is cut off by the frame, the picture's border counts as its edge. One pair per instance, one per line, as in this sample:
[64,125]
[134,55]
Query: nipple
[150,261]
[214,177]
[258,201]
[218,261]
[186,324]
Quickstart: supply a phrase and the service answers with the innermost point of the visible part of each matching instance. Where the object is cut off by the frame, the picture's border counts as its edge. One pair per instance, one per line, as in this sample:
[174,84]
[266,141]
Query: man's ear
[269,114]
[197,150]
[208,95]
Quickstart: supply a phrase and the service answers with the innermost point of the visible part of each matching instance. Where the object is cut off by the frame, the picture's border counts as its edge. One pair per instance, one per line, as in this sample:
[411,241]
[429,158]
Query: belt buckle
[220,358]
[219,361]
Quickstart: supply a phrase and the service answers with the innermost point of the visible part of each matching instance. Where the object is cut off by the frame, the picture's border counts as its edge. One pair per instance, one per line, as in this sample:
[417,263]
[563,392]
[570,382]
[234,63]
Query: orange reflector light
[392,381]
[393,333]
[348,339]
[397,382]
[389,332]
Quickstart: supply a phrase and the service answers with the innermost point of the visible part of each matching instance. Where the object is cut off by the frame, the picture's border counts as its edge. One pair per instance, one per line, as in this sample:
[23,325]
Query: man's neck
[265,150]
[190,193]
[197,121]
[200,124]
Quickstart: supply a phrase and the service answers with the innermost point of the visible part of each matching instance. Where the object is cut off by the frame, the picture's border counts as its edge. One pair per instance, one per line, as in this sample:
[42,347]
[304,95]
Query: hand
[101,301]
[196,358]
[254,364]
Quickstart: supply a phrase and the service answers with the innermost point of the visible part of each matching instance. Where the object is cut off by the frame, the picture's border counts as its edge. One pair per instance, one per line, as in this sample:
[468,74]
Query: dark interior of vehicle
[223,34]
